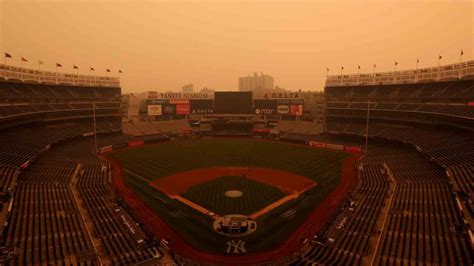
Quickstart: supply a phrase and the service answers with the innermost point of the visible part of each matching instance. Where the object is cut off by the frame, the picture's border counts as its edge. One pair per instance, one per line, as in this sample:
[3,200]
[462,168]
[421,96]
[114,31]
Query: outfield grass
[211,195]
[155,161]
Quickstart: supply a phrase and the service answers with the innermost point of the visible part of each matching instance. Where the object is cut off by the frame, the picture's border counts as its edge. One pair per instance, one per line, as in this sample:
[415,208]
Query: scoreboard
[233,102]
[223,103]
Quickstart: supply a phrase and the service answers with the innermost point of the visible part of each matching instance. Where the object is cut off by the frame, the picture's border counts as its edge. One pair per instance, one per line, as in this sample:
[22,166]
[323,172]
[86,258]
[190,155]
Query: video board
[233,102]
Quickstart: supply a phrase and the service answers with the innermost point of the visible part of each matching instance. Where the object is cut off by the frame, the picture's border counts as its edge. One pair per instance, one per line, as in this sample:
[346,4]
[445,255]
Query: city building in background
[188,88]
[258,84]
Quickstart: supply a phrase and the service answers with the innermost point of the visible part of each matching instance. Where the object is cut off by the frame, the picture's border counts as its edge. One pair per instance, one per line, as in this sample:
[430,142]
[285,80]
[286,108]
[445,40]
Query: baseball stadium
[237,180]
[355,148]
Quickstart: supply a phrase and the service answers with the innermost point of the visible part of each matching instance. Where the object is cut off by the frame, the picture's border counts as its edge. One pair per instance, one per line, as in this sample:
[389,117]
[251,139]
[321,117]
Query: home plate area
[233,196]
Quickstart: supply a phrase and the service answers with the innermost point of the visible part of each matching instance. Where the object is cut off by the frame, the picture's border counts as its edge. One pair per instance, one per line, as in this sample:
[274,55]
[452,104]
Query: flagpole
[460,56]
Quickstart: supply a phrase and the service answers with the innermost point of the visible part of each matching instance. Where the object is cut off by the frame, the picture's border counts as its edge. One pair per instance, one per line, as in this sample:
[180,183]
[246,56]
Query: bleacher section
[297,127]
[172,127]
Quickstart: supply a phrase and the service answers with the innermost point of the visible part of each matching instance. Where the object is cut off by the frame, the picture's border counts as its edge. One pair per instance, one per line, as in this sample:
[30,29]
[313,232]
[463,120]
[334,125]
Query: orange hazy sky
[162,45]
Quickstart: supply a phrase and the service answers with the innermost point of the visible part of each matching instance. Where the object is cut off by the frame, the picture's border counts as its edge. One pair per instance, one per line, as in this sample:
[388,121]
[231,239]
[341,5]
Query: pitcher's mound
[233,193]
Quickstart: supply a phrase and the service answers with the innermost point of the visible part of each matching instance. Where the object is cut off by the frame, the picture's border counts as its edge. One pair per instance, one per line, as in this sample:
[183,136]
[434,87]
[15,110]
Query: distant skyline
[163,45]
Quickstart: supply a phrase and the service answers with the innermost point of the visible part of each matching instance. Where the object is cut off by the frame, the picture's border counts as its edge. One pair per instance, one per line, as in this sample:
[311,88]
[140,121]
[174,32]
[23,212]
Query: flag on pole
[40,62]
[91,69]
[108,70]
[75,67]
[24,59]
[418,60]
[462,52]
[120,71]
[342,68]
[327,69]
[375,65]
[59,65]
[358,66]
[439,58]
[396,63]
[7,55]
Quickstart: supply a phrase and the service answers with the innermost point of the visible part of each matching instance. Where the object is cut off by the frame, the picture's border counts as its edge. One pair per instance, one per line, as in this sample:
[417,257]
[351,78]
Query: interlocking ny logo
[238,246]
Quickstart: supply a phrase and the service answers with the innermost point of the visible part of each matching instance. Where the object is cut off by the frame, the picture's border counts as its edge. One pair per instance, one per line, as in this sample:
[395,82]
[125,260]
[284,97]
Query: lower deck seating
[346,241]
[423,223]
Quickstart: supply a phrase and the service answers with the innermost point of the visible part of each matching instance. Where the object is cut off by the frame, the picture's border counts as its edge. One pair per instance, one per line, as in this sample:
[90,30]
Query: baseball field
[179,183]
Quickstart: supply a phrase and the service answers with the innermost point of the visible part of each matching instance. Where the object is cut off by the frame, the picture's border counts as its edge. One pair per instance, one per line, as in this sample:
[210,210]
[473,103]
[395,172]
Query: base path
[287,249]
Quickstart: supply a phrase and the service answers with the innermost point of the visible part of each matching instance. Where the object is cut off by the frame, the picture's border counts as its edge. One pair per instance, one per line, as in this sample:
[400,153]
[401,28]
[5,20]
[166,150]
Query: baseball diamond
[193,176]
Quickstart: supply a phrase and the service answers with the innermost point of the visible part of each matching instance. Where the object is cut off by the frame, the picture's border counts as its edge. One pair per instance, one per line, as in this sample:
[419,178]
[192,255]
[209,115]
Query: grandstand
[61,207]
[425,183]
[413,202]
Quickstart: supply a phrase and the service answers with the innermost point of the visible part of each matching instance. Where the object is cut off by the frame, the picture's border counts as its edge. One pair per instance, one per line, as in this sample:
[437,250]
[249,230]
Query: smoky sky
[162,45]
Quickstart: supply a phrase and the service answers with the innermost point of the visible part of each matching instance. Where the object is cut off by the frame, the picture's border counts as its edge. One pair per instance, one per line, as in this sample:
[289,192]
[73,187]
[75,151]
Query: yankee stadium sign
[183,95]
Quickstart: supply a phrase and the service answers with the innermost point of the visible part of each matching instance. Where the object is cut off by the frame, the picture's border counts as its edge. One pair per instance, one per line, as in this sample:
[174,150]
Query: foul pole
[95,127]
[367,128]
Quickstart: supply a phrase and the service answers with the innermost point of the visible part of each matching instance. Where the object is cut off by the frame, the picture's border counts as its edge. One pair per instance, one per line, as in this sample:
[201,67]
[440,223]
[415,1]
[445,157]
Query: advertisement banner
[105,149]
[182,109]
[317,144]
[290,101]
[169,109]
[334,146]
[136,143]
[201,106]
[176,101]
[119,145]
[283,109]
[296,109]
[261,130]
[264,107]
[154,110]
[353,149]
[154,102]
